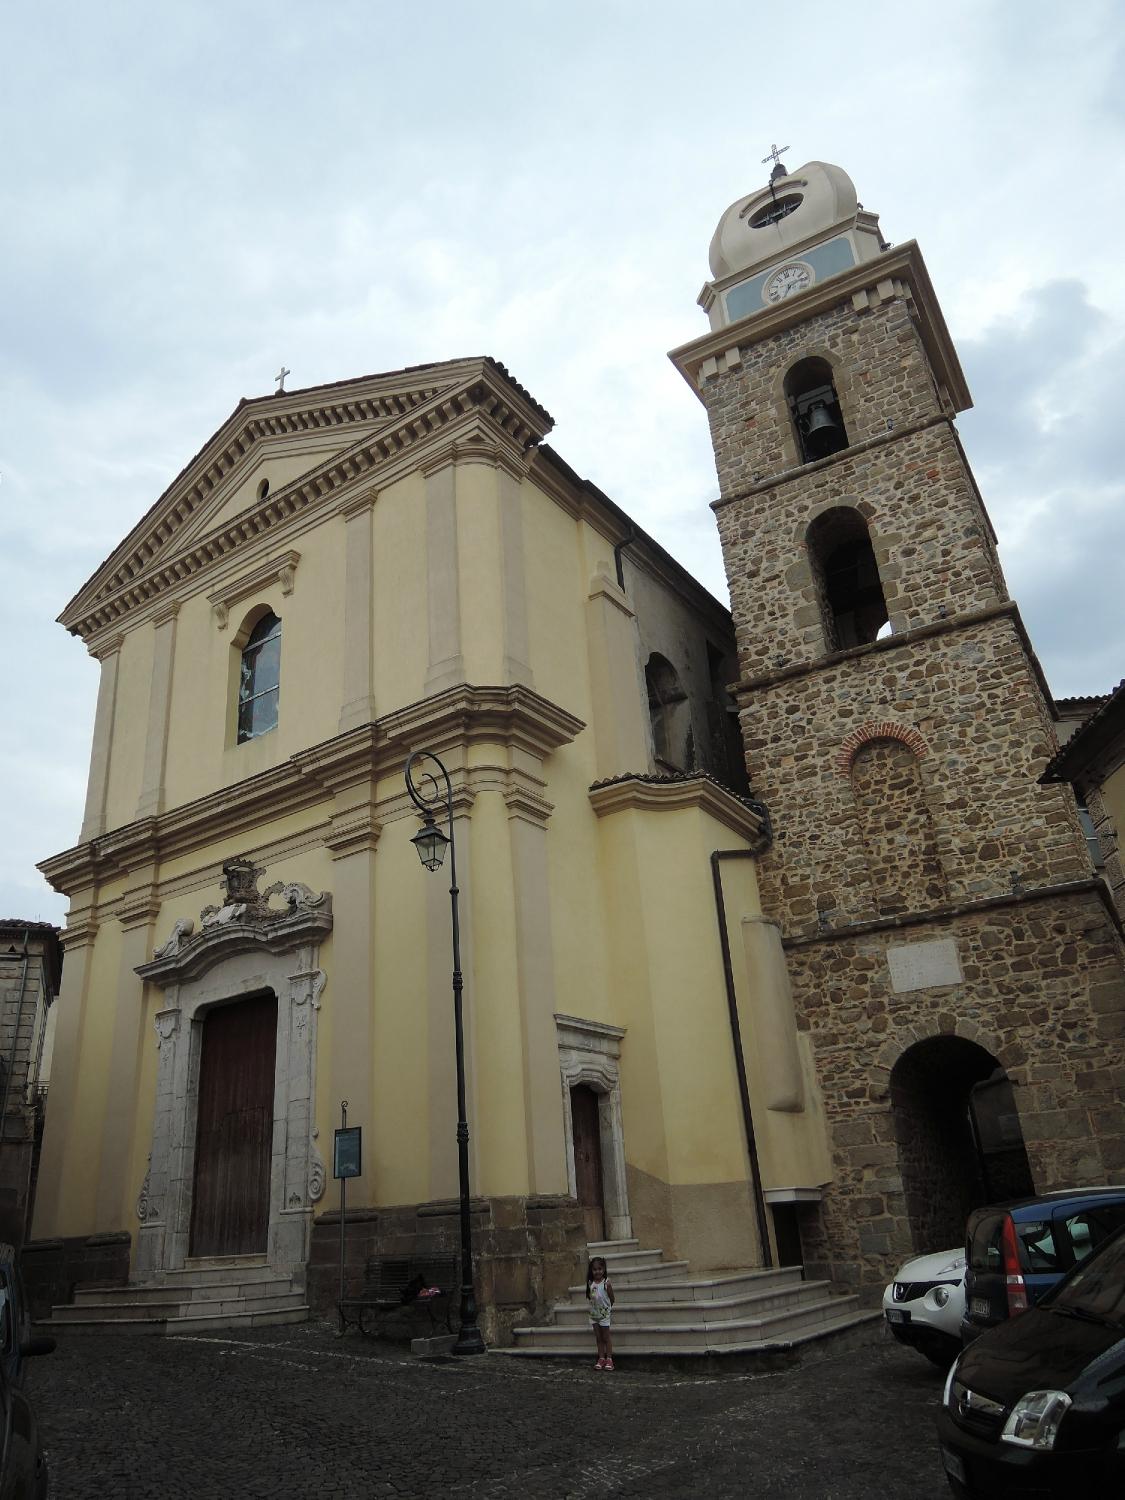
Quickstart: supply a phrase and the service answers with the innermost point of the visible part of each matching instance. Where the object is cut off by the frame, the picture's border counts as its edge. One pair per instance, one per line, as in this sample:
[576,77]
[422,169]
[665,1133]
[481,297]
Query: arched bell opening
[815,408]
[959,1139]
[852,603]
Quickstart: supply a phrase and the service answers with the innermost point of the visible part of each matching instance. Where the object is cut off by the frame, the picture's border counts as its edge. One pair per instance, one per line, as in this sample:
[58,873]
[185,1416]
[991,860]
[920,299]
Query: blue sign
[347,1154]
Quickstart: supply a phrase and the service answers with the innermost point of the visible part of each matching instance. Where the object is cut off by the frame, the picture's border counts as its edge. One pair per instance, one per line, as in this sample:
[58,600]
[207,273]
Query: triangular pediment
[306,444]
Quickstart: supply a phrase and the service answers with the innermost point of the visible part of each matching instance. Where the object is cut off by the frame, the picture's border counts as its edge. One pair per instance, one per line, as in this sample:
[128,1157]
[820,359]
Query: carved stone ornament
[245,919]
[318,1175]
[183,929]
[143,1205]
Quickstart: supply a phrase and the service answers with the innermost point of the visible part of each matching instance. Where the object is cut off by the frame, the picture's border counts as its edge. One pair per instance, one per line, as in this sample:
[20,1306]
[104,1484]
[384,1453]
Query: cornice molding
[514,716]
[281,569]
[898,272]
[641,793]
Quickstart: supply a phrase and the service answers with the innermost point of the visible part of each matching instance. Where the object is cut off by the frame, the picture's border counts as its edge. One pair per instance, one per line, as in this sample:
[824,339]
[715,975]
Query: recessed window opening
[774,211]
[847,575]
[259,680]
[669,711]
[815,410]
[263,489]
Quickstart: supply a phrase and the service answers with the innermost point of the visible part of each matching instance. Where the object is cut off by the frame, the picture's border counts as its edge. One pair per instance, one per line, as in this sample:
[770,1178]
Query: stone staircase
[223,1292]
[662,1310]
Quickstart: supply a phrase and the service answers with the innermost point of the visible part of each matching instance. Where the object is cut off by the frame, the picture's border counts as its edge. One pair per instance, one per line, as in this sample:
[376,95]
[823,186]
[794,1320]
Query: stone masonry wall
[1042,991]
[970,696]
[928,528]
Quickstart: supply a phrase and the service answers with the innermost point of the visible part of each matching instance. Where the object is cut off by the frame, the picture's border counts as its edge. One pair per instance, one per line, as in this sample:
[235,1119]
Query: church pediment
[320,444]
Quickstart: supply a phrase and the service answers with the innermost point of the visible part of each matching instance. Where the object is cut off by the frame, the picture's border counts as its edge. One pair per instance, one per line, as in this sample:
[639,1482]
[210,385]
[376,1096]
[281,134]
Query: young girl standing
[599,1294]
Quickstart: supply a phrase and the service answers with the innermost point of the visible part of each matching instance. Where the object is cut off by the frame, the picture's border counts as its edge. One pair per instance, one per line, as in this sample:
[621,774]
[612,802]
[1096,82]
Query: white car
[924,1303]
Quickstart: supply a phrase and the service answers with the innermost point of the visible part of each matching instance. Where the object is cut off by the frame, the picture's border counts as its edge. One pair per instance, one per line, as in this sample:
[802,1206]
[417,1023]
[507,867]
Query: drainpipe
[618,549]
[15,1039]
[717,857]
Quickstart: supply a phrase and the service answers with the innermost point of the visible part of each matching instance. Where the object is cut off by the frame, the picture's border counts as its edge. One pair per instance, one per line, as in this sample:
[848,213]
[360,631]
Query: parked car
[1036,1406]
[23,1465]
[1018,1251]
[924,1304]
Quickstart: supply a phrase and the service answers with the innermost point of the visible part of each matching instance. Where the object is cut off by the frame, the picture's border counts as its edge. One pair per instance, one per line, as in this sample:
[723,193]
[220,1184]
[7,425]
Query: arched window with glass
[259,680]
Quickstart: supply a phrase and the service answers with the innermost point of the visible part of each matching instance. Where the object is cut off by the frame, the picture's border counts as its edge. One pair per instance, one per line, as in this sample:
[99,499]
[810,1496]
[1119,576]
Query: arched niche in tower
[670,715]
[814,406]
[896,826]
[850,589]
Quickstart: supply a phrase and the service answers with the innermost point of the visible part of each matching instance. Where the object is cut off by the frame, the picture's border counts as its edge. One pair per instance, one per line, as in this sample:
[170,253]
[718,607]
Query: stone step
[125,1309]
[172,1290]
[697,1334]
[606,1248]
[664,1270]
[222,1262]
[707,1310]
[632,1260]
[221,1273]
[193,1324]
[656,1345]
[676,1287]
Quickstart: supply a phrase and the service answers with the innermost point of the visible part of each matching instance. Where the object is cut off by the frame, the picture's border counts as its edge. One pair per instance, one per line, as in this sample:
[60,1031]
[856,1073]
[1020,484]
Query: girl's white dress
[600,1305]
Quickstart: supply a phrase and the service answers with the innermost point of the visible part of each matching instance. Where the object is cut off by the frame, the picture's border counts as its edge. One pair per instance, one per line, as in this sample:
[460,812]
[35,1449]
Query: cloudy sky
[195,193]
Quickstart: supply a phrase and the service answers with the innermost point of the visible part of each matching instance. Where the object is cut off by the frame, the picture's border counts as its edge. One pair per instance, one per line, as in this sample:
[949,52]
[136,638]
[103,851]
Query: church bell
[823,434]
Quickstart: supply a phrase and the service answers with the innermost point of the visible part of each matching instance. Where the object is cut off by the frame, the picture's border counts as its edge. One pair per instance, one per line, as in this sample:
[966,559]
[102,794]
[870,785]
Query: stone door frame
[224,965]
[590,1053]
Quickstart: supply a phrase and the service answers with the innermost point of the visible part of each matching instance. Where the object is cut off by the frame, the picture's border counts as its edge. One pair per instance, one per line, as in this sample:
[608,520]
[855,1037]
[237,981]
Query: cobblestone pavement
[299,1412]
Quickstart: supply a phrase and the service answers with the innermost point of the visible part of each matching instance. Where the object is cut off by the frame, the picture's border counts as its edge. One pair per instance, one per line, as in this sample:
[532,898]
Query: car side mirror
[42,1343]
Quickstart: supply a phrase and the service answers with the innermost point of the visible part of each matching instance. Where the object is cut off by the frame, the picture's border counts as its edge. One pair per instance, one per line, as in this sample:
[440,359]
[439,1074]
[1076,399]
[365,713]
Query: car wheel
[940,1352]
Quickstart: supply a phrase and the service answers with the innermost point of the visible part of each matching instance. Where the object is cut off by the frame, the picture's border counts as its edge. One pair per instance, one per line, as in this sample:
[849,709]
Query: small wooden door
[231,1201]
[588,1159]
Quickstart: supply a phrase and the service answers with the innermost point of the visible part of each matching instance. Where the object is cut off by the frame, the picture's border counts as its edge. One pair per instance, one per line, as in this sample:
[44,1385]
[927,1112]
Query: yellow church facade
[343,576]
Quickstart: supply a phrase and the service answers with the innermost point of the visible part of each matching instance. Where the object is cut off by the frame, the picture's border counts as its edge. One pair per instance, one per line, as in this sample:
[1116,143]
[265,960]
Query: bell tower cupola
[795,232]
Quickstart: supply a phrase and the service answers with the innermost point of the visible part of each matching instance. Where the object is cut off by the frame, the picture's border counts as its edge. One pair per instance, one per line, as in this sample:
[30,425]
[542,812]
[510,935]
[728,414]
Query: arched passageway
[959,1138]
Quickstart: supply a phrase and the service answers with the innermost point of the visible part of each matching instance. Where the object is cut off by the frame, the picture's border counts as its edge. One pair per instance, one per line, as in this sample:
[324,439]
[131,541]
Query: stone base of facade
[53,1268]
[710,1224]
[526,1251]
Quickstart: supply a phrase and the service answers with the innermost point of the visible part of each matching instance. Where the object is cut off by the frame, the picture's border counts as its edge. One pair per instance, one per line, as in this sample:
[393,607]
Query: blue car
[1018,1251]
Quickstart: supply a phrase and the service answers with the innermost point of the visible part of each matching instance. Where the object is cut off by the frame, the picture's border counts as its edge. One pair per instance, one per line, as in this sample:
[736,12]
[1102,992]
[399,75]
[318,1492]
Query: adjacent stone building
[30,972]
[954,960]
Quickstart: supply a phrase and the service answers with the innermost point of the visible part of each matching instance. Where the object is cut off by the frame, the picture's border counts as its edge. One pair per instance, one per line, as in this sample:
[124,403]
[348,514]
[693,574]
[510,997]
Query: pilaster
[137,915]
[70,1010]
[622,737]
[443,600]
[151,801]
[359,650]
[93,819]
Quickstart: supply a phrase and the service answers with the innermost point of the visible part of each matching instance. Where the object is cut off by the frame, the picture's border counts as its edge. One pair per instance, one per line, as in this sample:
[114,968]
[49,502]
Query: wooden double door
[234,1133]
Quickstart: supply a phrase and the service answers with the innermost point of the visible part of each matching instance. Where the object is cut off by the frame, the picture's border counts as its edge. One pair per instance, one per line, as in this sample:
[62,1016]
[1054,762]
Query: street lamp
[431,844]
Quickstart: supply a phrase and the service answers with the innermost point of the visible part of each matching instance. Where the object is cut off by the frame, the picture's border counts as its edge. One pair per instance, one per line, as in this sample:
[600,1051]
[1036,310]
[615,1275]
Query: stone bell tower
[952,955]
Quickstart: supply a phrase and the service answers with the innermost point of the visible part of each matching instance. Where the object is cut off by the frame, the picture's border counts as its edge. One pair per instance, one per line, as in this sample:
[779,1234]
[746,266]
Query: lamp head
[430,843]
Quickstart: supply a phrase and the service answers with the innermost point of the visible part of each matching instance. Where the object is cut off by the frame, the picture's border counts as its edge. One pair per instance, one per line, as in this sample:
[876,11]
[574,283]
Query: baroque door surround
[244,947]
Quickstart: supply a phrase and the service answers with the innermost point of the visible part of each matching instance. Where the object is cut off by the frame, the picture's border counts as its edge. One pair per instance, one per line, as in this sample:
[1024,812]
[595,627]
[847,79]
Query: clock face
[794,277]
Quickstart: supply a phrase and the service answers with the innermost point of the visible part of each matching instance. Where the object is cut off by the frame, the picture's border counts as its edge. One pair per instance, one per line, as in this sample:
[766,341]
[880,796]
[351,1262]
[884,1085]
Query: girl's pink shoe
[600,1365]
[608,1365]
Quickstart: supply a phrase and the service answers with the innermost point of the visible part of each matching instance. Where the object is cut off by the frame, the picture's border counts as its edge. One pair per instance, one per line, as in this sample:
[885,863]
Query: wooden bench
[390,1292]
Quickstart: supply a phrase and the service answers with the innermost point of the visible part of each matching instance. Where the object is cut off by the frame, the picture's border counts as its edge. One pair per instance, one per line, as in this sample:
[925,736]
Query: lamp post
[427,793]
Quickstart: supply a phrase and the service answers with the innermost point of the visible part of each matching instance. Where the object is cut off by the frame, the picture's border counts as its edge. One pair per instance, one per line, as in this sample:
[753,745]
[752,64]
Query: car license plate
[980,1307]
[897,1315]
[953,1465]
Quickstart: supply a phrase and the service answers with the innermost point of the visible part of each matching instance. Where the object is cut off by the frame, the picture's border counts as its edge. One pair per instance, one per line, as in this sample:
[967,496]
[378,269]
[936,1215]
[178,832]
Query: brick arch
[878,729]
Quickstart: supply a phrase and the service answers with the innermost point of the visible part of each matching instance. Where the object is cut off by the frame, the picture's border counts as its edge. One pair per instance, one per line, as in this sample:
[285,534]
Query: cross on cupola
[775,157]
[280,378]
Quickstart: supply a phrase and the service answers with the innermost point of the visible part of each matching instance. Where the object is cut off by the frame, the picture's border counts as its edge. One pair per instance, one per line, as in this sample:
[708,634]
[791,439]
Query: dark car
[1017,1252]
[23,1466]
[1036,1406]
